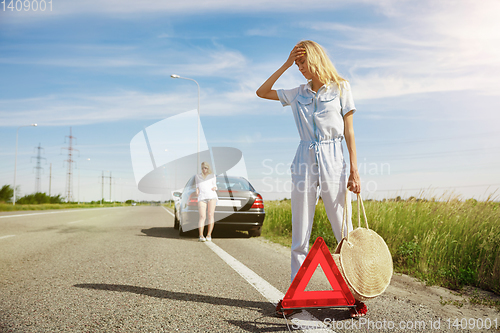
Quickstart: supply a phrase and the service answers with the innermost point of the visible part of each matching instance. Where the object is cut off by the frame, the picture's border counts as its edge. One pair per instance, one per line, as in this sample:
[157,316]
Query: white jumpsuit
[319,164]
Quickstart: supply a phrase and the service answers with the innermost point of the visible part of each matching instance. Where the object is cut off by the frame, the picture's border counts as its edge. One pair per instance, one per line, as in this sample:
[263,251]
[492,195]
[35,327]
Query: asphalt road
[127,270]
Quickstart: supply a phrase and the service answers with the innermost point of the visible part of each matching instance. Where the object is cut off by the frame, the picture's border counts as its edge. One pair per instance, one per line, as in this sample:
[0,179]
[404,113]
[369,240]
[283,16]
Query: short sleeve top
[205,185]
[319,115]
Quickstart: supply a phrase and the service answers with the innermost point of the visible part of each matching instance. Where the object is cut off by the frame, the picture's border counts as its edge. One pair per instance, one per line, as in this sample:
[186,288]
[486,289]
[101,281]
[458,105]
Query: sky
[424,77]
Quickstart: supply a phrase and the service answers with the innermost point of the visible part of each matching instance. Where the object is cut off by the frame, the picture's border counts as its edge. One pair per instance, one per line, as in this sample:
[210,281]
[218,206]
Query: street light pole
[175,76]
[15,163]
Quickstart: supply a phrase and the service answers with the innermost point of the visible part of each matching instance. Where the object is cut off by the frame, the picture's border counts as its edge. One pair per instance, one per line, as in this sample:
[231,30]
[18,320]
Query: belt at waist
[315,145]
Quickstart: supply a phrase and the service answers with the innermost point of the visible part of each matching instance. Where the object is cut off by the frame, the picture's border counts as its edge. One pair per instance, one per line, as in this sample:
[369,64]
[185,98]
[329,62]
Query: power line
[50,180]
[434,154]
[438,188]
[38,168]
[69,178]
[102,185]
[435,139]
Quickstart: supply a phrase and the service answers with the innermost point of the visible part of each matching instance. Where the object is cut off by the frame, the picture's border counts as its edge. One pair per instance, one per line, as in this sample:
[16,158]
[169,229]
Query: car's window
[189,184]
[235,184]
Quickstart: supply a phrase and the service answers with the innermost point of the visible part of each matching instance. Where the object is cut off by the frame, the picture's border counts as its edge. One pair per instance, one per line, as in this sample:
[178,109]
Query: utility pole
[110,182]
[102,187]
[69,178]
[50,179]
[38,168]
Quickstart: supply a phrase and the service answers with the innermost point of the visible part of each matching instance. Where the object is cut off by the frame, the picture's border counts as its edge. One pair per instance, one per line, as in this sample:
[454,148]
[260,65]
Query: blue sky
[424,75]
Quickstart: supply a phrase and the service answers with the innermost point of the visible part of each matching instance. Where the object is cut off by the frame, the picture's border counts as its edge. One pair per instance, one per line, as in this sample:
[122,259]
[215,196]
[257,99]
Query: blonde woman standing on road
[206,187]
[323,109]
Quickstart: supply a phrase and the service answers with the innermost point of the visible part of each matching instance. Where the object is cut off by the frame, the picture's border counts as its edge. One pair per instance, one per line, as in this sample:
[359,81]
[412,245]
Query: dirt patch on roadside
[444,302]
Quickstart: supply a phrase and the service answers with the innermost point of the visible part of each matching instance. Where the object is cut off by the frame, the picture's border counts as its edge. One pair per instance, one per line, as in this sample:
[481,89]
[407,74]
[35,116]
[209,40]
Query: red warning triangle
[296,297]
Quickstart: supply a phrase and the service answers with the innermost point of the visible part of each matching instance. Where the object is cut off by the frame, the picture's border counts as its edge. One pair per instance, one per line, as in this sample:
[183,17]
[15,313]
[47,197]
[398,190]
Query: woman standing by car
[206,187]
[323,110]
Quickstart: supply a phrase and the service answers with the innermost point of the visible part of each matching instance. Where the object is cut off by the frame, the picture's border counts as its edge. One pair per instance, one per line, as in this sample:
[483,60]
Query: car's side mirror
[177,194]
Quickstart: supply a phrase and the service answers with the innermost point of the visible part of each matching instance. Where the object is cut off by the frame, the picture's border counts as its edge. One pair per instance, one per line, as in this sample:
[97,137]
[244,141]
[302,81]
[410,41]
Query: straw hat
[364,261]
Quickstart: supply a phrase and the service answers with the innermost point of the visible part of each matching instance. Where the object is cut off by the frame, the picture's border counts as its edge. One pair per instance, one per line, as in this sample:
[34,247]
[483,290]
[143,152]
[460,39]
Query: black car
[239,206]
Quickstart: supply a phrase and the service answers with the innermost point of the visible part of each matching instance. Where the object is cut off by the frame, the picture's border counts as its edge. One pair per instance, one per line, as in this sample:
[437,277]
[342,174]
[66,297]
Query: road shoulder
[411,293]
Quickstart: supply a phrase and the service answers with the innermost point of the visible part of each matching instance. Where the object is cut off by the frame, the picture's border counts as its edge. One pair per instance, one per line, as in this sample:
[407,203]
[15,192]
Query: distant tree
[56,199]
[39,198]
[6,193]
[129,201]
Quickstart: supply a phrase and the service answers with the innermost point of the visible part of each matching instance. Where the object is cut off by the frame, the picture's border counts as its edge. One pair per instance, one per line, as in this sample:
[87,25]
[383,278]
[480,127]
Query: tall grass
[452,243]
[278,223]
[10,207]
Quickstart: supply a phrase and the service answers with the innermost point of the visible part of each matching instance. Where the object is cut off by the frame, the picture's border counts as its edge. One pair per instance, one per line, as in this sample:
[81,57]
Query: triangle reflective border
[340,296]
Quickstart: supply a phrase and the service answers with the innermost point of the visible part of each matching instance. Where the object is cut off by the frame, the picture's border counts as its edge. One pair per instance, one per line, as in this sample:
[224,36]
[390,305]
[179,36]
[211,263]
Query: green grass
[169,204]
[451,244]
[10,207]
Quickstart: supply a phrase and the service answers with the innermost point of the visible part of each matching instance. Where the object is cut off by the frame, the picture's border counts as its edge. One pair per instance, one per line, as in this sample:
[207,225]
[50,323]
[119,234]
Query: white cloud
[62,110]
[437,48]
[102,61]
[213,63]
[72,109]
[130,7]
[106,106]
[201,62]
[430,50]
[267,32]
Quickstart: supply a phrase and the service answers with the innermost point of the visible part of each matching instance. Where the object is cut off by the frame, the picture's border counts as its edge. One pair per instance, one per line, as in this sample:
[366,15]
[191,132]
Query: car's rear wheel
[255,232]
[176,220]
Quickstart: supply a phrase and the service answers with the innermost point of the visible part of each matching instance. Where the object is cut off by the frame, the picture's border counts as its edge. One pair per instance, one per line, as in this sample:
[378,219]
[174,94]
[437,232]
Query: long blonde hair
[320,65]
[208,166]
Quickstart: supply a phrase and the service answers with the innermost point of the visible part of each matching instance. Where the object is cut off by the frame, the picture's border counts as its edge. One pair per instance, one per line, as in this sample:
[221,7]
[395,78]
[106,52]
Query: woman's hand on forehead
[297,52]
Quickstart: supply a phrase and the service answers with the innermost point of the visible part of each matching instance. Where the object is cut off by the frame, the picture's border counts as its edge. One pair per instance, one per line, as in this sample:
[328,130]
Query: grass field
[451,243]
[8,207]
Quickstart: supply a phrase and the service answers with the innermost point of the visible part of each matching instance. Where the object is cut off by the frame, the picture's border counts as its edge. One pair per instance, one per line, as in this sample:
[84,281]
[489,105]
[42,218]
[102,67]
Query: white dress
[205,186]
[318,167]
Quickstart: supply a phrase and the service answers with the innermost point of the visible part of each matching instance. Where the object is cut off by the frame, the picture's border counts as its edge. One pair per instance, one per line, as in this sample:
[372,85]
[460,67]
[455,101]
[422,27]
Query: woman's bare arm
[354,182]
[266,89]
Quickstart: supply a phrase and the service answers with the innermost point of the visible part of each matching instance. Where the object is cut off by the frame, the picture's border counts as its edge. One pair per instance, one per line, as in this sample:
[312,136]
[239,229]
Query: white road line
[60,211]
[7,236]
[273,295]
[21,215]
[75,221]
[168,211]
